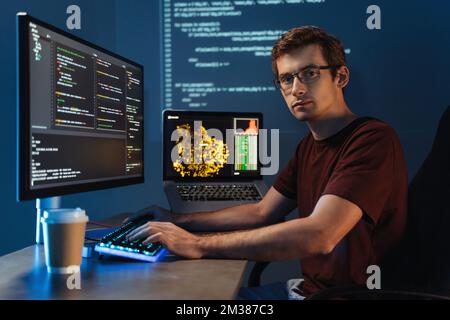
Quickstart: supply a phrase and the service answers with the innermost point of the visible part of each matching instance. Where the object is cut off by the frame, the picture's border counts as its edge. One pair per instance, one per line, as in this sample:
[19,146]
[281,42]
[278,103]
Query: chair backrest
[423,261]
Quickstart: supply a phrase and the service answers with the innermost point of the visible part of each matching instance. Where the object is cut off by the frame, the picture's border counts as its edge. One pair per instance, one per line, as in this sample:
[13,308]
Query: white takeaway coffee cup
[64,231]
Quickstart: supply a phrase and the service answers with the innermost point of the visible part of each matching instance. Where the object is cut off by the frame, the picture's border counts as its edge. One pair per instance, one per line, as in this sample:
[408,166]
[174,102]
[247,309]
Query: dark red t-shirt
[364,164]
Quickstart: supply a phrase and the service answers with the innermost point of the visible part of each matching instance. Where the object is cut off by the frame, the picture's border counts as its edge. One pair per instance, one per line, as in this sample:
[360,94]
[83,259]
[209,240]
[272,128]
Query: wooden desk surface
[23,275]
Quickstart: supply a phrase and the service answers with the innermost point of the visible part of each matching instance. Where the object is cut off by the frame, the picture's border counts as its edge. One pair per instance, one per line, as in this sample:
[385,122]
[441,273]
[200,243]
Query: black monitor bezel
[23,118]
[165,112]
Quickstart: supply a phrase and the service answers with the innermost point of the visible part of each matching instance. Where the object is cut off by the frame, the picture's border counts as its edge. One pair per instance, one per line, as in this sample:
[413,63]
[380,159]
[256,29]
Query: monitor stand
[41,205]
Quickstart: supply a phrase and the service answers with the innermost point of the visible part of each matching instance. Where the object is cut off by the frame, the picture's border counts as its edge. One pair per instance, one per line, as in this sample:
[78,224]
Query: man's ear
[343,76]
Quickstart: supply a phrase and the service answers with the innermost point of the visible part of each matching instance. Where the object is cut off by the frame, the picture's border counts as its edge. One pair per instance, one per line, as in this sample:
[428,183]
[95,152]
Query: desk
[23,275]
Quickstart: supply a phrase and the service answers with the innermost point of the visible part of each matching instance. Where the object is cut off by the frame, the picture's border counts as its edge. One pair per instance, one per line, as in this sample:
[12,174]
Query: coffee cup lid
[67,215]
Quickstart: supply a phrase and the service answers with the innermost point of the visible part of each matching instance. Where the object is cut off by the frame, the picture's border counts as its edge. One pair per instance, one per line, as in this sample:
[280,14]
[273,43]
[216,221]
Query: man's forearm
[283,241]
[245,216]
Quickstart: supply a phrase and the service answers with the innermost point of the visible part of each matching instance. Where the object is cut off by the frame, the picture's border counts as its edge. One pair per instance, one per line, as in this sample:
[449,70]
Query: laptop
[211,159]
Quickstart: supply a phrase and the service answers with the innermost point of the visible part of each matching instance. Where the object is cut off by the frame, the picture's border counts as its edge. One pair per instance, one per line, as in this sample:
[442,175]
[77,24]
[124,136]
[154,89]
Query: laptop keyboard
[218,192]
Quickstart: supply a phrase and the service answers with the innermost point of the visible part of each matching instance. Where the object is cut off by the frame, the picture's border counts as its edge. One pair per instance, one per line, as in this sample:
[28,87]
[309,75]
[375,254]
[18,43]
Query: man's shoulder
[370,126]
[372,137]
[362,131]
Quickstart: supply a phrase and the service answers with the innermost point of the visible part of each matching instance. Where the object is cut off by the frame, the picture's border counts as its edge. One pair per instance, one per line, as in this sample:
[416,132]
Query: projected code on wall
[213,50]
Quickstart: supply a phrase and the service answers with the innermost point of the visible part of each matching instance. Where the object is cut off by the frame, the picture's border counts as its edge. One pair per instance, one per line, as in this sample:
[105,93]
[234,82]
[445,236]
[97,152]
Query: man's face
[311,101]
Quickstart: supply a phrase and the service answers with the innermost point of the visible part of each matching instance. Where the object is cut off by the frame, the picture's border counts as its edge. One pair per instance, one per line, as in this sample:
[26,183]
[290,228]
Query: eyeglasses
[306,75]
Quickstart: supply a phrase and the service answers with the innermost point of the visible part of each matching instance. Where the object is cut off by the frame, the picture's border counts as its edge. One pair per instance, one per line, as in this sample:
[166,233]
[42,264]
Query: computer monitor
[80,114]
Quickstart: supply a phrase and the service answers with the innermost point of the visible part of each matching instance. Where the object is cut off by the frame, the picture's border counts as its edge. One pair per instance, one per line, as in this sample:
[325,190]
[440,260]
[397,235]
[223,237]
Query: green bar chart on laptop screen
[245,145]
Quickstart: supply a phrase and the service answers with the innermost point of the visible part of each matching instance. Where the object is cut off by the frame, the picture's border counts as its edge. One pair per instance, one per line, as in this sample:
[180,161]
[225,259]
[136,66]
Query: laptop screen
[201,145]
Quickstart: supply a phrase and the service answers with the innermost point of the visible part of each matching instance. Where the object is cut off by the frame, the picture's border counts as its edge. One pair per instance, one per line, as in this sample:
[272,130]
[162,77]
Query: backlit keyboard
[115,243]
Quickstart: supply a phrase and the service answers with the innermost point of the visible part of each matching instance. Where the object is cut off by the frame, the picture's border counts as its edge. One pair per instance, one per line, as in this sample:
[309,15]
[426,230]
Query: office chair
[419,268]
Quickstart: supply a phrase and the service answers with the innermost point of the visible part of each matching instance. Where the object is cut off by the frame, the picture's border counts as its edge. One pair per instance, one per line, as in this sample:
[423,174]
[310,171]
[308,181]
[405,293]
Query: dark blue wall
[399,74]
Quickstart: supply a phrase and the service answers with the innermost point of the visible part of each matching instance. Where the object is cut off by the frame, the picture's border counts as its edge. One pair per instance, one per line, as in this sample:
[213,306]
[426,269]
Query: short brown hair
[332,48]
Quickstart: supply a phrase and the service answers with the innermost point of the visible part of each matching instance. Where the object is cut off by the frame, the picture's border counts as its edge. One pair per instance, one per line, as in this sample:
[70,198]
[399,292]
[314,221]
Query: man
[347,178]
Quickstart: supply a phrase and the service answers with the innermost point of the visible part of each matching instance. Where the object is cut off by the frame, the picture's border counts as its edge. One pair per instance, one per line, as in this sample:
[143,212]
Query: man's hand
[154,213]
[174,238]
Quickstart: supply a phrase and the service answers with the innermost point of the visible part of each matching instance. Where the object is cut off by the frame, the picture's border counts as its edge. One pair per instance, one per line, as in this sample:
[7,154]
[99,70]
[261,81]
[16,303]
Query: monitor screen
[80,112]
[211,145]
